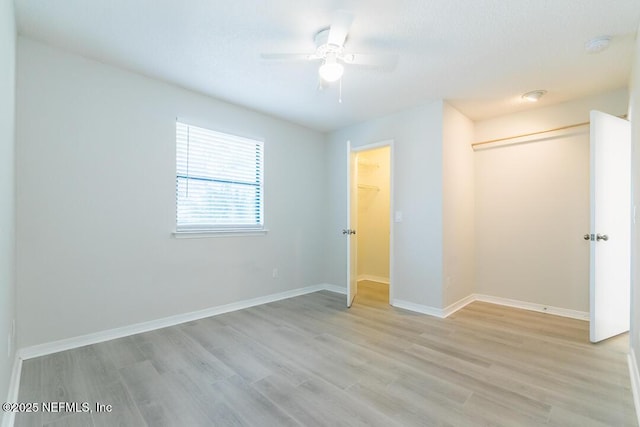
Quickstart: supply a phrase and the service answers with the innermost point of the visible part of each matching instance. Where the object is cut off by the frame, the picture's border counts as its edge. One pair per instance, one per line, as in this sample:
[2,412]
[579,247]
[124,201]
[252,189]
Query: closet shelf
[368,163]
[369,187]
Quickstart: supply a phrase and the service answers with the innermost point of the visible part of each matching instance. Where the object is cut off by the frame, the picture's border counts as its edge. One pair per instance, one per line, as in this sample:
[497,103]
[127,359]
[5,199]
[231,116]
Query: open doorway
[371,175]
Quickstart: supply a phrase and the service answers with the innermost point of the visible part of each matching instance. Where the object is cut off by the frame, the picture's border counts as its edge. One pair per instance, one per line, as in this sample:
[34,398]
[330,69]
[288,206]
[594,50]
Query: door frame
[366,147]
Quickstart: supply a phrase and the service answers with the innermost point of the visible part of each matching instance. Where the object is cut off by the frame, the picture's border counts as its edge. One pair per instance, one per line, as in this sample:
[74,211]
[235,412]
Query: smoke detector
[598,44]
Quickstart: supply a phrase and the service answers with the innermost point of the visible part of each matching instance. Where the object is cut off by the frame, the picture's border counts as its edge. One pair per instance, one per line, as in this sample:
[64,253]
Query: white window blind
[219,181]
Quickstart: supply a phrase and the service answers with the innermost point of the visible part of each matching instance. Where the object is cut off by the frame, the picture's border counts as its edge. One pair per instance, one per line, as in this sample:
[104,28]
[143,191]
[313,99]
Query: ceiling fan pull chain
[340,92]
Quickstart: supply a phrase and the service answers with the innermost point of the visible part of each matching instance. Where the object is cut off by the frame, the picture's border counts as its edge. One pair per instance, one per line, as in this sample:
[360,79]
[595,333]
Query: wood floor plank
[169,349]
[124,411]
[254,360]
[250,405]
[199,391]
[158,403]
[311,361]
[30,391]
[397,408]
[212,336]
[291,345]
[122,351]
[61,382]
[317,403]
[560,417]
[496,413]
[101,381]
[286,396]
[72,420]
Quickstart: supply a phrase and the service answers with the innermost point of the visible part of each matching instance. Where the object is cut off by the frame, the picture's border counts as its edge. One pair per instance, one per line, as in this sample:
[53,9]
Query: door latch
[596,237]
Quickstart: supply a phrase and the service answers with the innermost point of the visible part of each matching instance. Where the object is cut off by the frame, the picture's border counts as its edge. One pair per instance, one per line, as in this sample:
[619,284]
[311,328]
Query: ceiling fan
[330,50]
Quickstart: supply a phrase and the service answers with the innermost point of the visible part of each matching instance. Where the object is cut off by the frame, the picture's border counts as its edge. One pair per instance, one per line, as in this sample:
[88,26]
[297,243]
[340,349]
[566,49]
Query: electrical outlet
[275,273]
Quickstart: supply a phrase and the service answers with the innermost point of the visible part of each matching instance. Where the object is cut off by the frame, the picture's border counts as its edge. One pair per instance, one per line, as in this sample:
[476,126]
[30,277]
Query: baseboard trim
[12,395]
[634,375]
[564,312]
[372,278]
[449,310]
[93,338]
[441,313]
[97,337]
[334,288]
[418,308]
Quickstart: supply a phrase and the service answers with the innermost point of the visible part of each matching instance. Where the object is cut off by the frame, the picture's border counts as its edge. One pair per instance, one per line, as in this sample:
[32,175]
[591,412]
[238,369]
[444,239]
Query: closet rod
[475,144]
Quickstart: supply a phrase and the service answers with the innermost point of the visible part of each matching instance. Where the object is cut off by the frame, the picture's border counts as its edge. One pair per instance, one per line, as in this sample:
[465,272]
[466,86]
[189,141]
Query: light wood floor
[311,361]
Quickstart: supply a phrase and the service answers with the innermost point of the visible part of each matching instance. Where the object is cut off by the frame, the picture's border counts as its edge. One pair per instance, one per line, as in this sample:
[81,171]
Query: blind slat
[219,180]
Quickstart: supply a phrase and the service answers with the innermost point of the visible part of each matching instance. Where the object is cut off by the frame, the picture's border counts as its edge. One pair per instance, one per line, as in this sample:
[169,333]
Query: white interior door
[610,226]
[352,219]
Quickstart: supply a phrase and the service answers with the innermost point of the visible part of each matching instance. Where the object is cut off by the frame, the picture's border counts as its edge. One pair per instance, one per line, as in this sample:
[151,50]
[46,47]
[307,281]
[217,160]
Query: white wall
[373,214]
[417,169]
[7,186]
[532,205]
[96,201]
[634,116]
[458,206]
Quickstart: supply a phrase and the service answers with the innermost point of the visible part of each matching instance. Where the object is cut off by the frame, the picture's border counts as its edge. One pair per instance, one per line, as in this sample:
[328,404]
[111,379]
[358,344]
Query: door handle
[348,231]
[587,237]
[602,237]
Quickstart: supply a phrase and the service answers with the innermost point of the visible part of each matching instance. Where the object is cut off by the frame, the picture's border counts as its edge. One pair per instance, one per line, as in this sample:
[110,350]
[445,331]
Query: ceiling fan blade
[384,61]
[340,25]
[289,56]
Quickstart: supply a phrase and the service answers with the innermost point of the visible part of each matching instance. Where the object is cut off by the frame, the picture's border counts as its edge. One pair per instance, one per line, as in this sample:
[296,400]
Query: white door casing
[352,219]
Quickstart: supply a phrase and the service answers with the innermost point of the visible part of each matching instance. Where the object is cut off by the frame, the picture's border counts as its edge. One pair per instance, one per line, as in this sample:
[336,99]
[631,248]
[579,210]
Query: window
[219,181]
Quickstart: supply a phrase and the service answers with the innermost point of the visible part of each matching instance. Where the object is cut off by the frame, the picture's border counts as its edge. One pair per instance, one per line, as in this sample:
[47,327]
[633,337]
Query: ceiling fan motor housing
[323,48]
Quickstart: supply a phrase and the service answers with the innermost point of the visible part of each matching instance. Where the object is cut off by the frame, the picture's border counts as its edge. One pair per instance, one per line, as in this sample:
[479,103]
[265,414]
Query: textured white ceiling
[480,55]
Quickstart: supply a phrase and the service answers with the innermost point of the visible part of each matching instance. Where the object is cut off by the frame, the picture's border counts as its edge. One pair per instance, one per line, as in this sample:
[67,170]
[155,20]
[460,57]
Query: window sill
[237,232]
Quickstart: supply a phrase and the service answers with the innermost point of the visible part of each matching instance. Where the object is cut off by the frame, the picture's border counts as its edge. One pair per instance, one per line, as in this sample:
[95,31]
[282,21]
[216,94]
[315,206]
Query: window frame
[209,229]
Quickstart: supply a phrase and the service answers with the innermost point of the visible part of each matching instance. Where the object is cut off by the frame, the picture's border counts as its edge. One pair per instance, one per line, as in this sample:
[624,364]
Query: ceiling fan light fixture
[331,70]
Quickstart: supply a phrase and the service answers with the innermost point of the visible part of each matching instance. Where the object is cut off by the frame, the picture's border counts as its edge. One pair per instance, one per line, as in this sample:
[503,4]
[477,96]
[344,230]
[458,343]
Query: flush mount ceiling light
[534,95]
[597,44]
